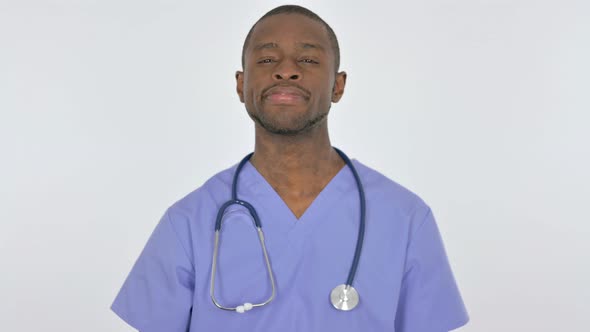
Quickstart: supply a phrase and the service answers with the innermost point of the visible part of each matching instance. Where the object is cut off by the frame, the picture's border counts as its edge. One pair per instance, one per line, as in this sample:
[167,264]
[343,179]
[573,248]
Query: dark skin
[288,85]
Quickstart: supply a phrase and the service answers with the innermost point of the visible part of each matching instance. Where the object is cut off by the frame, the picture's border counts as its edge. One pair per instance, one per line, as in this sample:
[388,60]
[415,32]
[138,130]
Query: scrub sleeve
[429,299]
[157,295]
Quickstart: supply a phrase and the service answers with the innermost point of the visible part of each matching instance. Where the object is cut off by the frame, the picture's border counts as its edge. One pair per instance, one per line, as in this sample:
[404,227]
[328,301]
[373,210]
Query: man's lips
[285,95]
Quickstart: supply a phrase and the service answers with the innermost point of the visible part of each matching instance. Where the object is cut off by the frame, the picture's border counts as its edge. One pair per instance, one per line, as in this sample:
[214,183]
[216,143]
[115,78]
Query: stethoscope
[343,297]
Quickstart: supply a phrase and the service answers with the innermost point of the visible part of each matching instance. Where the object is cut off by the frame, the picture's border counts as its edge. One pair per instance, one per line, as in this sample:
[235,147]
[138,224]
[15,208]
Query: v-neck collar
[286,235]
[261,188]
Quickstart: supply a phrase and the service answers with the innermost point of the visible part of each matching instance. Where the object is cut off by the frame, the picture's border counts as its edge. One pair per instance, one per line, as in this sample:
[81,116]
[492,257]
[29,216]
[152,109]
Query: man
[308,202]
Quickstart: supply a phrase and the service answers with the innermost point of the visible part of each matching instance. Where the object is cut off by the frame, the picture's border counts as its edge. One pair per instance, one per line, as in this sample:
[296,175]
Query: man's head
[289,80]
[293,9]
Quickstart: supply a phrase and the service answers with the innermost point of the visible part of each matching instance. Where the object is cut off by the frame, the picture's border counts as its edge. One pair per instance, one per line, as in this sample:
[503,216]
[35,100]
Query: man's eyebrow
[308,46]
[263,46]
[303,45]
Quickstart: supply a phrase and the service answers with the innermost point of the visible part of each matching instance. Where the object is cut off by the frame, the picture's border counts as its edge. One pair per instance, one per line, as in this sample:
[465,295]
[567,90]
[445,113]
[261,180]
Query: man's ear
[240,84]
[339,84]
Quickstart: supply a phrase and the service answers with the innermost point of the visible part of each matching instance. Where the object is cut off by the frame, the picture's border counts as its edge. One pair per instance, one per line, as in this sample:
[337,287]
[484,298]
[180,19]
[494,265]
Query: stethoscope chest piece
[344,297]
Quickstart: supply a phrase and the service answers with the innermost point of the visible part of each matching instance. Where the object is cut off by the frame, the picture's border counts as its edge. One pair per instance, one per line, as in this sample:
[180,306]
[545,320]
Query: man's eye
[308,61]
[265,61]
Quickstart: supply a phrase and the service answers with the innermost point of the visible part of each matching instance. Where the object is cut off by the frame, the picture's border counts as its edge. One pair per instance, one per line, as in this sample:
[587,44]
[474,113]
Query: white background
[112,110]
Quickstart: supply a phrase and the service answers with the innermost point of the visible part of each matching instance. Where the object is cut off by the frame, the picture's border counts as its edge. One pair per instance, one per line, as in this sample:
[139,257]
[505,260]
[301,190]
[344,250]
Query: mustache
[306,93]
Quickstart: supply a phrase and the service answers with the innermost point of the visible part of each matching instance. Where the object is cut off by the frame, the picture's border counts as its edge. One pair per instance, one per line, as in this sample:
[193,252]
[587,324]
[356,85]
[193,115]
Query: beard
[295,127]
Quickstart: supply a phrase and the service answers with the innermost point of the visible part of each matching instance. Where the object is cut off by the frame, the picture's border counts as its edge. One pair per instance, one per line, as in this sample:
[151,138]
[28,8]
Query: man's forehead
[307,33]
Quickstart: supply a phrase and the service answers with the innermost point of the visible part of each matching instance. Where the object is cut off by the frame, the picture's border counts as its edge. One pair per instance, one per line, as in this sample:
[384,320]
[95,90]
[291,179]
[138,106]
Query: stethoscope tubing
[254,214]
[361,233]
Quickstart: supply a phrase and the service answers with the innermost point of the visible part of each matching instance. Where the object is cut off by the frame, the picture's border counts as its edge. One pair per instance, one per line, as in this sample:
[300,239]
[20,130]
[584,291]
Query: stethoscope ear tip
[243,308]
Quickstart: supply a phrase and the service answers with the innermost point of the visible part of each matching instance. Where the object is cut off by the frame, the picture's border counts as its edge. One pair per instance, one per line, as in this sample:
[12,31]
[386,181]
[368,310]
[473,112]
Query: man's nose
[287,70]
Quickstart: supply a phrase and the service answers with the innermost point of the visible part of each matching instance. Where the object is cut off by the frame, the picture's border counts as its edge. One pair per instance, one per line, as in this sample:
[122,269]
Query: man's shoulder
[212,191]
[381,187]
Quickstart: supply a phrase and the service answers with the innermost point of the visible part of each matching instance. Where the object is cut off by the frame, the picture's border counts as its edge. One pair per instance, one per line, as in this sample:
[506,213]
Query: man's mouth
[285,95]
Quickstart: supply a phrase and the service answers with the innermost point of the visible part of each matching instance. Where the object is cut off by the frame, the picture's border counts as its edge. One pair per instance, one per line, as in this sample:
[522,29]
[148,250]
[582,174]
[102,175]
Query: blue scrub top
[404,279]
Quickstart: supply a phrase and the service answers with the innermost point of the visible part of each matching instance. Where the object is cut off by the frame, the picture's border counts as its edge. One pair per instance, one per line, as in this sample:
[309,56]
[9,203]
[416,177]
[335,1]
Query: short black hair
[294,9]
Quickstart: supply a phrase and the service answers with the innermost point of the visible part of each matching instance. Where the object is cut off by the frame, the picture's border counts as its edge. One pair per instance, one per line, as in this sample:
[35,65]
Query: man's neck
[297,167]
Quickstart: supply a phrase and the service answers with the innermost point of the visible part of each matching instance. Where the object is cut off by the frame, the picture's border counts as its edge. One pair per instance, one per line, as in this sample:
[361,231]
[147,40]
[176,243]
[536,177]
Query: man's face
[289,79]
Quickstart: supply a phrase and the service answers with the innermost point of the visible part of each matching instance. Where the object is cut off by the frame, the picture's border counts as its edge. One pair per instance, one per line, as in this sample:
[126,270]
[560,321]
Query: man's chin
[283,130]
[288,127]
[284,109]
